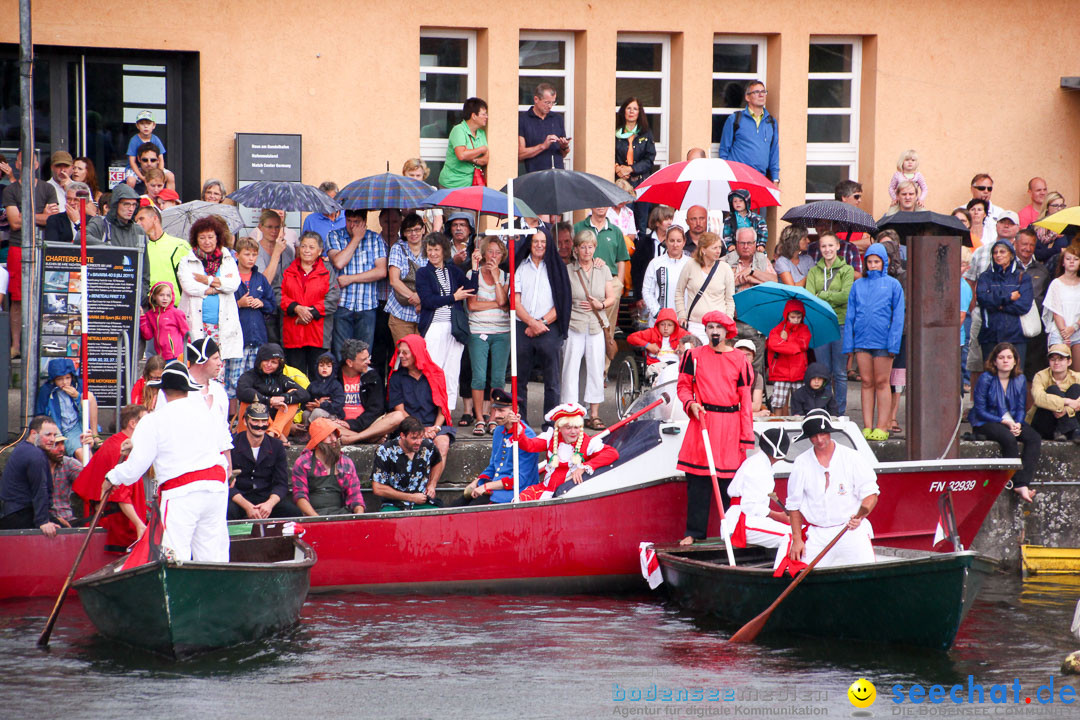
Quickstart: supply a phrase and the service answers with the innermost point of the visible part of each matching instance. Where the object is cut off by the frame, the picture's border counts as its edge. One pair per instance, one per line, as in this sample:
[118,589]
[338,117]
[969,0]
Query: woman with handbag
[709,284]
[444,322]
[1004,296]
[467,150]
[592,292]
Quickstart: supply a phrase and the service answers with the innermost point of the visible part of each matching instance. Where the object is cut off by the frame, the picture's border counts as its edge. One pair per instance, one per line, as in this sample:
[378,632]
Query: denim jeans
[830,356]
[357,324]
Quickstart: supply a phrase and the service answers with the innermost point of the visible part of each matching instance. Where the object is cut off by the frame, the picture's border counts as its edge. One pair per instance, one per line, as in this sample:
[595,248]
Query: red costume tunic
[121,533]
[716,380]
[557,461]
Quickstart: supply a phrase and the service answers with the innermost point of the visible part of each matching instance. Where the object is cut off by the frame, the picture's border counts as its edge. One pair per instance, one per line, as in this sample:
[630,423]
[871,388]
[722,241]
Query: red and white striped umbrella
[706,182]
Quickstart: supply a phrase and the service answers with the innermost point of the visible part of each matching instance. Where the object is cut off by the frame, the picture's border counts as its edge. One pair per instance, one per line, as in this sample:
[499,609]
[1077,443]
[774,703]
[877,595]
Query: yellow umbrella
[1061,220]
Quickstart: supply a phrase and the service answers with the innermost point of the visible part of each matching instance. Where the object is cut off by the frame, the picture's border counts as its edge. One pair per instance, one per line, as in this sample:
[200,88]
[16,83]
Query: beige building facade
[971,86]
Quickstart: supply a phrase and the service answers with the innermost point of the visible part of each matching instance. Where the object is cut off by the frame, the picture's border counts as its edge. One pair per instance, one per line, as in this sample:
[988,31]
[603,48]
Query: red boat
[584,541]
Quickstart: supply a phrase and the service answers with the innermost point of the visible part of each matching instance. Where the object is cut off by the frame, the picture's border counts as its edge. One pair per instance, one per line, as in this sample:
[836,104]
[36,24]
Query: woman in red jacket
[304,287]
[787,346]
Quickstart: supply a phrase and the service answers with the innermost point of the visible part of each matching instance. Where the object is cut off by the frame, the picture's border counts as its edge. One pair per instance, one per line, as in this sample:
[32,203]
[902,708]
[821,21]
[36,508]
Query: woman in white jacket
[662,274]
[208,278]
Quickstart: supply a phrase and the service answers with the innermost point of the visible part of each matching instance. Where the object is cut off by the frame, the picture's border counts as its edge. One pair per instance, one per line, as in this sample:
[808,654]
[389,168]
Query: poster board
[114,278]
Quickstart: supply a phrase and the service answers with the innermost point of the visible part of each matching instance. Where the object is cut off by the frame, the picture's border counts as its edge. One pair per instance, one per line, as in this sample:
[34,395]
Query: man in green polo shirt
[163,251]
[611,248]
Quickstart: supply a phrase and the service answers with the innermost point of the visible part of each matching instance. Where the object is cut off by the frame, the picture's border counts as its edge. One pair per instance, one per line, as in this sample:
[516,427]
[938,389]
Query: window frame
[837,154]
[434,149]
[762,59]
[564,104]
[664,75]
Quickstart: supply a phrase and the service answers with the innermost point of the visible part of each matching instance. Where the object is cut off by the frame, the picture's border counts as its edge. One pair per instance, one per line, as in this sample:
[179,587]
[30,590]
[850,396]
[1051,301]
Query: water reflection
[495,656]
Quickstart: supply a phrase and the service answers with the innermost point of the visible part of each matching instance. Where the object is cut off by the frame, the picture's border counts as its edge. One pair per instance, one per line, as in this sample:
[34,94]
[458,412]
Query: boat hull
[32,565]
[180,609]
[909,598]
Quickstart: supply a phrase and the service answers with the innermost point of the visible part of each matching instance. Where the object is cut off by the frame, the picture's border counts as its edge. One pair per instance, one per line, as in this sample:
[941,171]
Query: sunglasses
[984,188]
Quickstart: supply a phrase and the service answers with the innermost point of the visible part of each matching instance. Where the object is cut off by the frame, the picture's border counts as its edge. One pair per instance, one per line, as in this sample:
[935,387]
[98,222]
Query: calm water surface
[369,656]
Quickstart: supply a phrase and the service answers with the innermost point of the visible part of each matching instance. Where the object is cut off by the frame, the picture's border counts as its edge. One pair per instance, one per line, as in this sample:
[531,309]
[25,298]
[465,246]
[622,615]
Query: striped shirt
[399,258]
[361,295]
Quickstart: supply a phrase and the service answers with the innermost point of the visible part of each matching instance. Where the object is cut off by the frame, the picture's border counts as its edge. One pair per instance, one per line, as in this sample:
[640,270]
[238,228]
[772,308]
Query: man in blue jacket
[750,135]
[496,483]
[26,486]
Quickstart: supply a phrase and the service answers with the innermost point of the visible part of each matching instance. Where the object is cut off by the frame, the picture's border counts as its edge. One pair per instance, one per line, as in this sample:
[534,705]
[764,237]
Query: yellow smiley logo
[862,693]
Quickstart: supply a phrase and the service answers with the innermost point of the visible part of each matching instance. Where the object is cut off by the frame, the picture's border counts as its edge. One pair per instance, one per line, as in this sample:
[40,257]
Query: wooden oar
[43,641]
[715,483]
[749,631]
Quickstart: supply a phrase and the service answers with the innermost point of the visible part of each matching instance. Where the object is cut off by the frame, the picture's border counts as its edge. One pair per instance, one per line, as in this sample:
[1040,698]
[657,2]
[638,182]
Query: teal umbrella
[762,307]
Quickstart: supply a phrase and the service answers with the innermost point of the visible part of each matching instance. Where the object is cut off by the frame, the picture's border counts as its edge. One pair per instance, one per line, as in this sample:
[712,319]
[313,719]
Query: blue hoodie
[51,400]
[1001,314]
[875,311]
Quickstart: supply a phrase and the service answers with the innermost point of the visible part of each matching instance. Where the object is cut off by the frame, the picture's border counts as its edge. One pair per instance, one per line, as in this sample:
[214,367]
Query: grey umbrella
[840,213]
[553,192]
[923,222]
[177,221]
[288,196]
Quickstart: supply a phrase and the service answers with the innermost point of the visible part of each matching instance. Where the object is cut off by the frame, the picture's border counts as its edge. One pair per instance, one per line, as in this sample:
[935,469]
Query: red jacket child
[163,323]
[655,336]
[787,346]
[564,448]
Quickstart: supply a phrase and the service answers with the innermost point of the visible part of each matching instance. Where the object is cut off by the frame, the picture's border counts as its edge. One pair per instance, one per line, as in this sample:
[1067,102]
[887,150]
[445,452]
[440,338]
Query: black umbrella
[923,222]
[288,196]
[553,192]
[840,213]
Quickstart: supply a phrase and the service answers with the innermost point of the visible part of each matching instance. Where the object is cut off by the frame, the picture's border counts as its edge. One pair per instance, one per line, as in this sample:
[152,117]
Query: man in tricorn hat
[186,445]
[831,487]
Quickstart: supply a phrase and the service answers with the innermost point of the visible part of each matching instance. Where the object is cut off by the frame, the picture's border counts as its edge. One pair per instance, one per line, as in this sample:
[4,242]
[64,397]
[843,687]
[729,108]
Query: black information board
[114,276]
[267,156]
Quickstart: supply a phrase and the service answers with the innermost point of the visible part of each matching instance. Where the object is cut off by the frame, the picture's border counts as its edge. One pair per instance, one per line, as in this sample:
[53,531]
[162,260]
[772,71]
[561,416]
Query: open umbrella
[478,198]
[762,307]
[385,190]
[706,182]
[177,221]
[555,191]
[1060,221]
[922,222]
[849,217]
[288,196]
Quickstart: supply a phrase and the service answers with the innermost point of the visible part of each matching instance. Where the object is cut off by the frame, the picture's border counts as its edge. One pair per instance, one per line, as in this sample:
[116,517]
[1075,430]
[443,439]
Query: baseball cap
[1059,349]
[1009,215]
[168,194]
[61,157]
[145,115]
[746,344]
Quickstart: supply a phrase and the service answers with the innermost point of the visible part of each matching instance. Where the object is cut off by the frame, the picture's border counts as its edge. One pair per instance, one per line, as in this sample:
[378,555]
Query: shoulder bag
[611,348]
[1031,322]
[700,292]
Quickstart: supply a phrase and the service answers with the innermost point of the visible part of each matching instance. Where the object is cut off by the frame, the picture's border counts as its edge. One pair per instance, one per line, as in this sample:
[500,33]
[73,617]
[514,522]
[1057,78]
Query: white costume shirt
[851,479]
[753,482]
[218,405]
[535,289]
[180,437]
[658,285]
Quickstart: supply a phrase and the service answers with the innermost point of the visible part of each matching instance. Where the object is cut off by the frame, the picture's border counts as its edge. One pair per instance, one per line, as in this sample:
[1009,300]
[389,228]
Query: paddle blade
[749,632]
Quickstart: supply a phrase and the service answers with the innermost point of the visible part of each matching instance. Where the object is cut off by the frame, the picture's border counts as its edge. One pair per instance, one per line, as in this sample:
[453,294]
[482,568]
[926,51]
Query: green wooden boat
[907,597]
[183,608]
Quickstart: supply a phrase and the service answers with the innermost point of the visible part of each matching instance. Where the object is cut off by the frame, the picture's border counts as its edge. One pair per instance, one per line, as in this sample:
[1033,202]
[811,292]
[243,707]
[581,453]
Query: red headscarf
[427,367]
[715,316]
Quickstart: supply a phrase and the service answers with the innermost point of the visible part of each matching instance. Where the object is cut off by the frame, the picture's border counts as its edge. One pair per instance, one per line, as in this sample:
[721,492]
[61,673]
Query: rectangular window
[832,114]
[447,80]
[642,69]
[736,61]
[548,57]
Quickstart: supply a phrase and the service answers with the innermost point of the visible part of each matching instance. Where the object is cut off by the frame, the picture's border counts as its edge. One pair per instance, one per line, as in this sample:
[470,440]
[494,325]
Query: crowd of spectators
[351,335]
